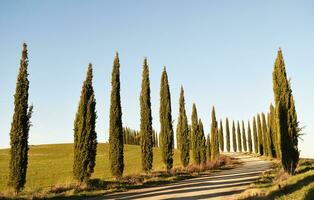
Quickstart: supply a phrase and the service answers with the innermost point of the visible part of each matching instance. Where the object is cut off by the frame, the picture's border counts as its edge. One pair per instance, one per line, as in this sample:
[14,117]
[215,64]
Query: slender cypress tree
[268,137]
[183,138]
[165,118]
[234,138]
[214,137]
[227,135]
[260,136]
[286,117]
[221,137]
[208,148]
[116,156]
[202,143]
[195,136]
[20,127]
[244,137]
[239,137]
[146,130]
[264,130]
[85,143]
[273,132]
[256,145]
[249,135]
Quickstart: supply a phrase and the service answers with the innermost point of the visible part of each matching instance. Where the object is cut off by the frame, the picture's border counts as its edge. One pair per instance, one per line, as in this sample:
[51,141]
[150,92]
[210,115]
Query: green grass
[276,184]
[51,165]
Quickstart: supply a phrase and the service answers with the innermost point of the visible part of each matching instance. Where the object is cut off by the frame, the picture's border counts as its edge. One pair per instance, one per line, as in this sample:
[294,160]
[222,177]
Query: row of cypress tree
[275,137]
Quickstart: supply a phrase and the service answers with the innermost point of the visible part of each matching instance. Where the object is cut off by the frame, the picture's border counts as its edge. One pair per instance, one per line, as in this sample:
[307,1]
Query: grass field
[51,165]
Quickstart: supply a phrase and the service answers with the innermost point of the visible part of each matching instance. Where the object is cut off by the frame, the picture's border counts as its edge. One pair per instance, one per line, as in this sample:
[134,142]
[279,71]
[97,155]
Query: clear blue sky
[222,52]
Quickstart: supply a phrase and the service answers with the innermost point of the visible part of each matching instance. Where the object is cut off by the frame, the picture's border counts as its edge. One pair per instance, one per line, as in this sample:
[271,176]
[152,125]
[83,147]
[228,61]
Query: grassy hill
[50,165]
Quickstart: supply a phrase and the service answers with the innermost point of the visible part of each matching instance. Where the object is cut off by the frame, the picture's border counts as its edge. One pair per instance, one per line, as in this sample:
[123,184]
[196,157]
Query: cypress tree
[264,129]
[244,137]
[234,138]
[208,148]
[214,137]
[221,137]
[256,145]
[249,135]
[227,135]
[239,137]
[165,118]
[85,143]
[146,130]
[260,136]
[195,136]
[286,117]
[116,156]
[20,128]
[268,137]
[183,138]
[273,133]
[202,141]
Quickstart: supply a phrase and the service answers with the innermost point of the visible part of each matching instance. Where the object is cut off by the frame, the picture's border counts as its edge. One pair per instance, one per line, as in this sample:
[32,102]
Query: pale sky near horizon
[222,52]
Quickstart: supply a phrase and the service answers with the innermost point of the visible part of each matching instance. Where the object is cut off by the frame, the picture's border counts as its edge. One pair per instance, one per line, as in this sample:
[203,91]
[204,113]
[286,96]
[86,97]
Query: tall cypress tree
[286,116]
[146,130]
[20,127]
[273,132]
[268,137]
[214,137]
[244,137]
[202,141]
[165,118]
[256,145]
[249,135]
[85,138]
[227,135]
[221,137]
[264,129]
[234,138]
[195,136]
[183,138]
[116,156]
[260,136]
[239,137]
[208,149]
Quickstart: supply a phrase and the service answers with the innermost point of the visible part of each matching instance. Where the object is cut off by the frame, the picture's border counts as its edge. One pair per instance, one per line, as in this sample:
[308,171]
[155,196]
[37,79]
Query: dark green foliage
[183,138]
[146,129]
[264,129]
[20,127]
[260,136]
[116,156]
[165,118]
[256,145]
[208,149]
[273,132]
[268,138]
[131,136]
[286,117]
[234,138]
[244,137]
[221,137]
[85,138]
[239,137]
[249,137]
[227,135]
[195,136]
[202,141]
[214,137]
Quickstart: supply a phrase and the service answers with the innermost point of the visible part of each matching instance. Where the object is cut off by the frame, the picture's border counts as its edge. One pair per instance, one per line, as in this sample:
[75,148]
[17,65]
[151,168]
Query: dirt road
[220,185]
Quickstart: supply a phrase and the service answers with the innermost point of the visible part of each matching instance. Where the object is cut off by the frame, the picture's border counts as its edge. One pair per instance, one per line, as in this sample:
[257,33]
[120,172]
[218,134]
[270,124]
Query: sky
[221,52]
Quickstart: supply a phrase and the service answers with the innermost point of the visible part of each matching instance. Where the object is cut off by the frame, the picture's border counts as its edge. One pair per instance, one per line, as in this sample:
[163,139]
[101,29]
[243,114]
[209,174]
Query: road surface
[225,184]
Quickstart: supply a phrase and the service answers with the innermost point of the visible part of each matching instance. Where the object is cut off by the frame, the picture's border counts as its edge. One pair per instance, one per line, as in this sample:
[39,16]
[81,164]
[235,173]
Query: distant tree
[273,132]
[268,137]
[195,136]
[214,137]
[244,137]
[234,138]
[183,138]
[20,127]
[208,148]
[146,130]
[202,140]
[256,144]
[227,135]
[286,117]
[239,137]
[249,137]
[260,135]
[85,138]
[116,156]
[264,129]
[221,137]
[165,118]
